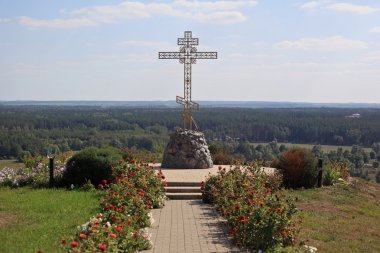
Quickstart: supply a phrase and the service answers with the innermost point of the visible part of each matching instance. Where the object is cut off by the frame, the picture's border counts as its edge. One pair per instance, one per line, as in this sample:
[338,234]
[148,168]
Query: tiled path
[187,226]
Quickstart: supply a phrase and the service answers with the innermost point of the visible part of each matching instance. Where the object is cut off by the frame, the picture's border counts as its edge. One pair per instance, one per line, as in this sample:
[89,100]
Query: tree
[299,167]
[378,177]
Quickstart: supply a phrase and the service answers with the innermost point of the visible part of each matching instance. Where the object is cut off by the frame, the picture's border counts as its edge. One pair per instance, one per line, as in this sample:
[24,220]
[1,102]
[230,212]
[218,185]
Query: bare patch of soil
[7,218]
[319,206]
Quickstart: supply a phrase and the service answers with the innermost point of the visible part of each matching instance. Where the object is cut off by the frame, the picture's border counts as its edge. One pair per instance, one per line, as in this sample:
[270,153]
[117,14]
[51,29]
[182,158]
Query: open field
[10,164]
[325,148]
[341,218]
[32,220]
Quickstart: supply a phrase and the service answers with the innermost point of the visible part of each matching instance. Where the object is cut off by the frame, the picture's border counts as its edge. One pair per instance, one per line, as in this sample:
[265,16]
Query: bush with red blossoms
[259,218]
[125,215]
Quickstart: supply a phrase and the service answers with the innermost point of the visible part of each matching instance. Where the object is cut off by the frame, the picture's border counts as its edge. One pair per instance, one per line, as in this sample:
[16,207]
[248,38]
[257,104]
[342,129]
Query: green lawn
[341,218]
[10,164]
[32,220]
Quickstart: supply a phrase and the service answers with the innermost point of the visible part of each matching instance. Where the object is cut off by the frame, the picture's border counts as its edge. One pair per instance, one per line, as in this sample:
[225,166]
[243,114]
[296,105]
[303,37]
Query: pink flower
[74,244]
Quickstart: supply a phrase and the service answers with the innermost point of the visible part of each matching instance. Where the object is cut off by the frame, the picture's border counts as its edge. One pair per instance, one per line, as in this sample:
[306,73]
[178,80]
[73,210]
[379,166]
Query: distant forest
[33,128]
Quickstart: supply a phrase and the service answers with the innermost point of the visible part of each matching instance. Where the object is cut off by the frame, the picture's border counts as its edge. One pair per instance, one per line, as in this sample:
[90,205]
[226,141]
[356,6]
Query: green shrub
[333,171]
[299,168]
[92,164]
[222,158]
[207,196]
[330,176]
[258,217]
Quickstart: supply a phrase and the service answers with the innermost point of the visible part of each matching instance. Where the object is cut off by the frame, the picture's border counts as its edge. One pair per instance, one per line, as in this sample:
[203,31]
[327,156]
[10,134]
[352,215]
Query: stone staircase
[183,190]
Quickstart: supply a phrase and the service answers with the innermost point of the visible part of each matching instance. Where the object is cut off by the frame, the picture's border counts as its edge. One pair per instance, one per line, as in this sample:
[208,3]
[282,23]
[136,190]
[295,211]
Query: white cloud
[55,23]
[216,12]
[223,17]
[375,30]
[215,5]
[143,43]
[348,7]
[372,57]
[310,5]
[336,43]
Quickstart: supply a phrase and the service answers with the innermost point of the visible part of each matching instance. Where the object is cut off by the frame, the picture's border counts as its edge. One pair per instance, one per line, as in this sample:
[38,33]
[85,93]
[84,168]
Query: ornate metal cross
[187,55]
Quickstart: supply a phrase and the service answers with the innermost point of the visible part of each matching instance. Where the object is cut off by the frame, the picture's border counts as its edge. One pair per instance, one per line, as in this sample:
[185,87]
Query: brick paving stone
[189,226]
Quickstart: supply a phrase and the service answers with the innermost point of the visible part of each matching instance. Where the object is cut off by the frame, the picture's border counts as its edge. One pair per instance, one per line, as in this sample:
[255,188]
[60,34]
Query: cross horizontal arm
[186,41]
[206,55]
[168,55]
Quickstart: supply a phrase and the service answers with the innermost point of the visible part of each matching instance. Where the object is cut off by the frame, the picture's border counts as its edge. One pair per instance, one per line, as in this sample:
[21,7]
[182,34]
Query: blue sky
[268,50]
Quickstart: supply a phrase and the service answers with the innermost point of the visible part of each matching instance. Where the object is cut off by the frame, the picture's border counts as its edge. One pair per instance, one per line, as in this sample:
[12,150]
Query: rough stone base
[187,150]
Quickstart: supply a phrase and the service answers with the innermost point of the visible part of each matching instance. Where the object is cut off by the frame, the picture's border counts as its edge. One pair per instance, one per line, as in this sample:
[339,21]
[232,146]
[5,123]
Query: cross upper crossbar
[187,55]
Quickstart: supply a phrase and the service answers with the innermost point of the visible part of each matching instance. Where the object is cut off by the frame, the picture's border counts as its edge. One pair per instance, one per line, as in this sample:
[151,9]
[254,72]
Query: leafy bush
[222,158]
[258,217]
[299,168]
[334,171]
[125,205]
[330,176]
[206,188]
[90,164]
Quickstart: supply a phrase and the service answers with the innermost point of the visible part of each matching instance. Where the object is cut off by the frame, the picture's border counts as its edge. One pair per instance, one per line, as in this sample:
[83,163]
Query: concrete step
[184,184]
[183,189]
[184,195]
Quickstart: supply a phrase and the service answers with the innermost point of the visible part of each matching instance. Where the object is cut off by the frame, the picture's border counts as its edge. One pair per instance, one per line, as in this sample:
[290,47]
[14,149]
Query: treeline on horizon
[34,128]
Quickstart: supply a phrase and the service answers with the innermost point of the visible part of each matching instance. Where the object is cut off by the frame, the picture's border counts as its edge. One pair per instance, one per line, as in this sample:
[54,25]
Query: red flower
[74,244]
[278,210]
[203,184]
[113,235]
[135,235]
[119,229]
[237,206]
[163,177]
[104,181]
[283,232]
[63,241]
[83,236]
[220,168]
[102,247]
[243,219]
[100,186]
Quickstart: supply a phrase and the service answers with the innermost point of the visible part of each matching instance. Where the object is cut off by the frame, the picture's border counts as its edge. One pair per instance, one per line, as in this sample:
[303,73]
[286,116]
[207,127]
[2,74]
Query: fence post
[320,172]
[51,172]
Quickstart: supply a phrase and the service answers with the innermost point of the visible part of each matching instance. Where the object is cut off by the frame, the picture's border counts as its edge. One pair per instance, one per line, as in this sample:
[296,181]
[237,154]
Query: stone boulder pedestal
[187,149]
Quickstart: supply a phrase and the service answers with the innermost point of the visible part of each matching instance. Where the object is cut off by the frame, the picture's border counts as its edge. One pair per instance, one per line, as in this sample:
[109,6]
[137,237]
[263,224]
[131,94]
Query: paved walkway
[187,226]
[195,175]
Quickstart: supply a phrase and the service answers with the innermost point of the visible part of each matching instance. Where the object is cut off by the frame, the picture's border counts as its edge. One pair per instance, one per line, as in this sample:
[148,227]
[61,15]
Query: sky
[268,50]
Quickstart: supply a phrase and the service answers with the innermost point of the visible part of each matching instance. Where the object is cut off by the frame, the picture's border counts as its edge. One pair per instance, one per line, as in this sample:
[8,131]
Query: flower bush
[125,204]
[34,175]
[258,217]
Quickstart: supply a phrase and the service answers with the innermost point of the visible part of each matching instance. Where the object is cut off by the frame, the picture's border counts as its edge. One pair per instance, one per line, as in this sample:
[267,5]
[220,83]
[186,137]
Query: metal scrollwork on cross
[187,55]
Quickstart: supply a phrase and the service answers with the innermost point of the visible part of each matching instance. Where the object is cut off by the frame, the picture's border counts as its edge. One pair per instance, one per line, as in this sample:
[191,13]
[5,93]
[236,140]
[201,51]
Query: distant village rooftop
[355,115]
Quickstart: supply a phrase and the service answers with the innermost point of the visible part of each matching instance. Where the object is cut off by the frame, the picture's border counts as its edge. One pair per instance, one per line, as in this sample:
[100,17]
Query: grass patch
[341,218]
[11,164]
[37,219]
